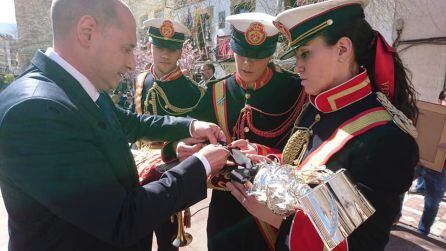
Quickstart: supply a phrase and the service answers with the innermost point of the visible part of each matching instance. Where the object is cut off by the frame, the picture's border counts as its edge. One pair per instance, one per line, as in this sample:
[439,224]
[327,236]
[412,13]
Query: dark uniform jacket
[180,92]
[275,97]
[230,226]
[175,95]
[68,179]
[381,162]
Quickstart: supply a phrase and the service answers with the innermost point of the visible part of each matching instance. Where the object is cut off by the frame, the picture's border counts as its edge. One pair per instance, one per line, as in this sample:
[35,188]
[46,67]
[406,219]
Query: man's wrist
[191,128]
[204,161]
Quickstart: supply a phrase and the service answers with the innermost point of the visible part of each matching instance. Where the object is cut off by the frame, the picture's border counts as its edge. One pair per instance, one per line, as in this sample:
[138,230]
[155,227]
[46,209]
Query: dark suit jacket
[68,179]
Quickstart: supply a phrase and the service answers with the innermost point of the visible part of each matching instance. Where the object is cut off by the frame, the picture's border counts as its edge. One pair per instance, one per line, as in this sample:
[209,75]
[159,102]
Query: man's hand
[258,158]
[187,147]
[216,155]
[207,131]
[251,204]
[244,146]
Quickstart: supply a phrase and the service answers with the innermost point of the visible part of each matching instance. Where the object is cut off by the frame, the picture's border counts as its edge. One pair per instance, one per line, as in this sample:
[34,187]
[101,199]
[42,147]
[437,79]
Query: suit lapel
[68,83]
[114,142]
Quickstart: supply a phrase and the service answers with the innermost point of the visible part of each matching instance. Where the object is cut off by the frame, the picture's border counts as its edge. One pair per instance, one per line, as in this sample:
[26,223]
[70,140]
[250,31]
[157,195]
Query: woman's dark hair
[362,36]
[442,95]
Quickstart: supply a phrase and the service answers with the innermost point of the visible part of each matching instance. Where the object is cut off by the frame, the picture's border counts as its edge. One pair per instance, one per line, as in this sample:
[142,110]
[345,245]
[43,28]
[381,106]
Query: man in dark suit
[207,72]
[67,175]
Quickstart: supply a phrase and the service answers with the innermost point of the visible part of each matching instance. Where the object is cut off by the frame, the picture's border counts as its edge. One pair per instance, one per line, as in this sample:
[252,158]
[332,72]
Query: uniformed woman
[360,113]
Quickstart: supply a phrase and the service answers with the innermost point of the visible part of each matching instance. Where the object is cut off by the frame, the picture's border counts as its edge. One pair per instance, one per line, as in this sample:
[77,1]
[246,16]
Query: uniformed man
[256,103]
[163,89]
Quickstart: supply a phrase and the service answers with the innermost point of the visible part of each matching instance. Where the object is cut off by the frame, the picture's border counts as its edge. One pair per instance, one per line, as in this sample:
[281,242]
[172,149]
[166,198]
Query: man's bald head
[66,13]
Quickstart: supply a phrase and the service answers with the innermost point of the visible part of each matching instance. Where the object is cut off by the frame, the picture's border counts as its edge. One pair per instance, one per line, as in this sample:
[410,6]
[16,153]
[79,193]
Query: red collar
[175,74]
[344,94]
[261,81]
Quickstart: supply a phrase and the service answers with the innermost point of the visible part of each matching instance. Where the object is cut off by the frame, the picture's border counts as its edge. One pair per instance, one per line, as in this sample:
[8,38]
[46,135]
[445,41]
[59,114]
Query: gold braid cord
[398,117]
[296,146]
[156,94]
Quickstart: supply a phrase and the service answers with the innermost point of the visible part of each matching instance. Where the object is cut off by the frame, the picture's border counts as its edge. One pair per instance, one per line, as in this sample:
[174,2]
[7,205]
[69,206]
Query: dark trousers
[165,234]
[434,189]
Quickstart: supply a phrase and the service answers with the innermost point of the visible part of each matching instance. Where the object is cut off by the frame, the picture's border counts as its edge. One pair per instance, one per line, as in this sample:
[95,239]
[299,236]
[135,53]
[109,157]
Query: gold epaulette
[398,117]
[201,88]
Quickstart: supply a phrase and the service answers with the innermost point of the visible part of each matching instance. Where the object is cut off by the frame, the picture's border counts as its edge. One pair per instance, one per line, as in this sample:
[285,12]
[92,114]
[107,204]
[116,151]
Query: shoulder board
[212,82]
[190,79]
[200,87]
[398,117]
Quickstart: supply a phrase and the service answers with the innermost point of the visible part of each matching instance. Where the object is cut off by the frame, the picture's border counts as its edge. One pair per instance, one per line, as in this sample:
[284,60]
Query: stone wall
[424,20]
[34,28]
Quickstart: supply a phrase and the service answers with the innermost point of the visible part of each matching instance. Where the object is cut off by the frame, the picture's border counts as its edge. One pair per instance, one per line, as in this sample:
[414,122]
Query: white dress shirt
[85,83]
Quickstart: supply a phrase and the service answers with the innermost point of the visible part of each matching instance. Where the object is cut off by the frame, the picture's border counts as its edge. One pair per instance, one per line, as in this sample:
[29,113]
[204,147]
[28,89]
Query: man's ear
[345,49]
[85,29]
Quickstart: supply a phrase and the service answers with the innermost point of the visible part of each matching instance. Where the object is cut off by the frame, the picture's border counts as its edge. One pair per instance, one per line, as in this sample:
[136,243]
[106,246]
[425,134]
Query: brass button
[247,95]
[246,129]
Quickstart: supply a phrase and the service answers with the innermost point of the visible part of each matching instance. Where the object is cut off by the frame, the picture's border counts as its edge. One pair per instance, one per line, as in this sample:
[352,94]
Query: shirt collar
[85,83]
[344,94]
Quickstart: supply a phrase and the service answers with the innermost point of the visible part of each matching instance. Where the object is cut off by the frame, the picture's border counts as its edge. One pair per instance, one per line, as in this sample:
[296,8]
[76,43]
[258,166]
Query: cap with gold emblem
[166,33]
[300,25]
[253,35]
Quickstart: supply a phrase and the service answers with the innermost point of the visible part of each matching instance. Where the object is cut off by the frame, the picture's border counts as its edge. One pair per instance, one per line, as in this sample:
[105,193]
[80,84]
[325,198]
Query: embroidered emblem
[398,117]
[220,101]
[283,30]
[256,34]
[167,29]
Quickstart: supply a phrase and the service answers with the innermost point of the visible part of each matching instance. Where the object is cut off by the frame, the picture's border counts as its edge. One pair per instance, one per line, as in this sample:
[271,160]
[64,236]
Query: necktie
[107,110]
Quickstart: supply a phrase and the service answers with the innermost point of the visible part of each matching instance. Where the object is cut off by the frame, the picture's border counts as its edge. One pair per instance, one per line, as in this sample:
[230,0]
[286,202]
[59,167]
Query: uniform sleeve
[269,152]
[298,233]
[381,164]
[50,155]
[153,127]
[205,108]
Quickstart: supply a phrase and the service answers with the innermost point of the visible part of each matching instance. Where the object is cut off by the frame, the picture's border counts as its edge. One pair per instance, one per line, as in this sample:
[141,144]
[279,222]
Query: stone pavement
[412,210]
[403,237]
